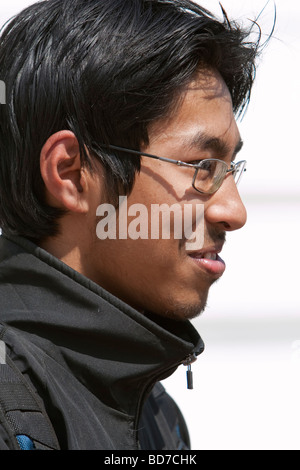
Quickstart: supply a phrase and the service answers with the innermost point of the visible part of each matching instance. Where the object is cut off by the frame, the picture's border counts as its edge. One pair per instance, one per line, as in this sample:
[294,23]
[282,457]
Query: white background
[246,384]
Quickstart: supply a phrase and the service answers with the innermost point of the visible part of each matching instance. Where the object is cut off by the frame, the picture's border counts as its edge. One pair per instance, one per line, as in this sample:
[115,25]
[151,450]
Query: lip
[215,267]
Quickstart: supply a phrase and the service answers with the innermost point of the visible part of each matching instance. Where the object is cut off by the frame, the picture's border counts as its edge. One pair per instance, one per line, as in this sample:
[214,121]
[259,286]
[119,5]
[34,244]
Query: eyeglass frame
[196,166]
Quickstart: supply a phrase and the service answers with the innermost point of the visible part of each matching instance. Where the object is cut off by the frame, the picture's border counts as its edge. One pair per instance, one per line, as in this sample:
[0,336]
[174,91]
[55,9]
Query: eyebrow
[204,141]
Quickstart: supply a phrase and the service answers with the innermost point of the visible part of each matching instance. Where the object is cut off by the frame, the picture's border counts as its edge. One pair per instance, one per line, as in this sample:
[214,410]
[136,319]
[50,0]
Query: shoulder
[7,440]
[23,418]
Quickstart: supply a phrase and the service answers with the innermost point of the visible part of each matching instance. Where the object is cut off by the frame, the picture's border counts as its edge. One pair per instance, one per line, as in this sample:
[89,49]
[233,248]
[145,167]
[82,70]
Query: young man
[124,105]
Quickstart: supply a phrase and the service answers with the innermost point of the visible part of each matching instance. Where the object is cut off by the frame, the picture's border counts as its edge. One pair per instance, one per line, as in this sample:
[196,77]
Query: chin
[180,305]
[182,311]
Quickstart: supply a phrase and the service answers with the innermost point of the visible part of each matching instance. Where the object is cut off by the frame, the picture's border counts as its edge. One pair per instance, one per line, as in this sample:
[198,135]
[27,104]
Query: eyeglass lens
[209,177]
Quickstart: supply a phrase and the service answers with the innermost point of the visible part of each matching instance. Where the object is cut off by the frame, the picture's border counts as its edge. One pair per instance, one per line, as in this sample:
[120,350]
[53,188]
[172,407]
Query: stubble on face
[190,307]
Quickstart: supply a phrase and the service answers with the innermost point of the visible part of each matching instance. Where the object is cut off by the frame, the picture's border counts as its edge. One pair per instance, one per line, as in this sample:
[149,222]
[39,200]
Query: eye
[206,170]
[207,165]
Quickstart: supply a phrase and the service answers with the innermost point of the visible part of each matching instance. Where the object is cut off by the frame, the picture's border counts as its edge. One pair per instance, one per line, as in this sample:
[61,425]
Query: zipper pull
[189,377]
[189,374]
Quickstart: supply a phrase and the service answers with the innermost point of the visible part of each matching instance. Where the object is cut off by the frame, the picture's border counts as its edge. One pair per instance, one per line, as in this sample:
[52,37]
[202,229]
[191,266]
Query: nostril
[226,225]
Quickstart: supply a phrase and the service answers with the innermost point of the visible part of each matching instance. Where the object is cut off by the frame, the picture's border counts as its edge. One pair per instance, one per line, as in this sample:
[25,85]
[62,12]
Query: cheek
[160,183]
[164,212]
[151,270]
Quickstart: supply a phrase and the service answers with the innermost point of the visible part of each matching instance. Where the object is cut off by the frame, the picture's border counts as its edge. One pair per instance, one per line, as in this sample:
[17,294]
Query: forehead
[203,107]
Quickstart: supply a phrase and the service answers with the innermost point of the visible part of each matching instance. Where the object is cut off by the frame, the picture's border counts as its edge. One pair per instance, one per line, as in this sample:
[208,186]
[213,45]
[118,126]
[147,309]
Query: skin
[159,276]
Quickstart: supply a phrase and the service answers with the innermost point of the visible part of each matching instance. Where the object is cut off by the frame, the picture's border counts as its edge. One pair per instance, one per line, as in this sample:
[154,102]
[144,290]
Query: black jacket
[93,360]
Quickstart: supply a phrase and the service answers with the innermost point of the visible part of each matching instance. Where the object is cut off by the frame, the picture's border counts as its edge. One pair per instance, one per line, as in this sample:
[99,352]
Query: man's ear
[62,172]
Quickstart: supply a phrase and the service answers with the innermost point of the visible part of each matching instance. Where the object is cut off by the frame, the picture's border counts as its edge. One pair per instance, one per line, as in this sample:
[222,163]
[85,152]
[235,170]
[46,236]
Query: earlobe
[62,173]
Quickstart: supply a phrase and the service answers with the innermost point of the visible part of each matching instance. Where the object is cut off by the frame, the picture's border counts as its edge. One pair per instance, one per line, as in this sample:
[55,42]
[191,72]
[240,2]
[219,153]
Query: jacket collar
[100,338]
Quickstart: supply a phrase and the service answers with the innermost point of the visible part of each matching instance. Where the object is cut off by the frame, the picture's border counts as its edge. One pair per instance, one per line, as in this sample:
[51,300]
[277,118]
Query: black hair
[104,69]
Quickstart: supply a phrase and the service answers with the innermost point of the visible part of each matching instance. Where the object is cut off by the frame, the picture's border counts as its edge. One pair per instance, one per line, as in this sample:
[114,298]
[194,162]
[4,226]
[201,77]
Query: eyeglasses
[209,173]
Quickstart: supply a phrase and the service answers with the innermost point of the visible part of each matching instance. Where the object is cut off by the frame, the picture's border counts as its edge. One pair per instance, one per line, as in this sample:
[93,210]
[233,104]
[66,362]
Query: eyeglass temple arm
[234,165]
[136,152]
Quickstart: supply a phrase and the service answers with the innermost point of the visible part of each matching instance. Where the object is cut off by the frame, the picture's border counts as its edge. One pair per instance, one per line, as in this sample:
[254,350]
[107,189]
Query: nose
[225,208]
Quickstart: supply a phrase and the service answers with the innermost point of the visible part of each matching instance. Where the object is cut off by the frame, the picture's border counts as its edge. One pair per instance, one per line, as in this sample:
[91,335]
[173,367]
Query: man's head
[164,77]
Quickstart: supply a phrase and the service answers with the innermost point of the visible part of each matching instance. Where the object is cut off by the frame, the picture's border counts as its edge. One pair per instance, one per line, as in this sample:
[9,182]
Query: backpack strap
[22,412]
